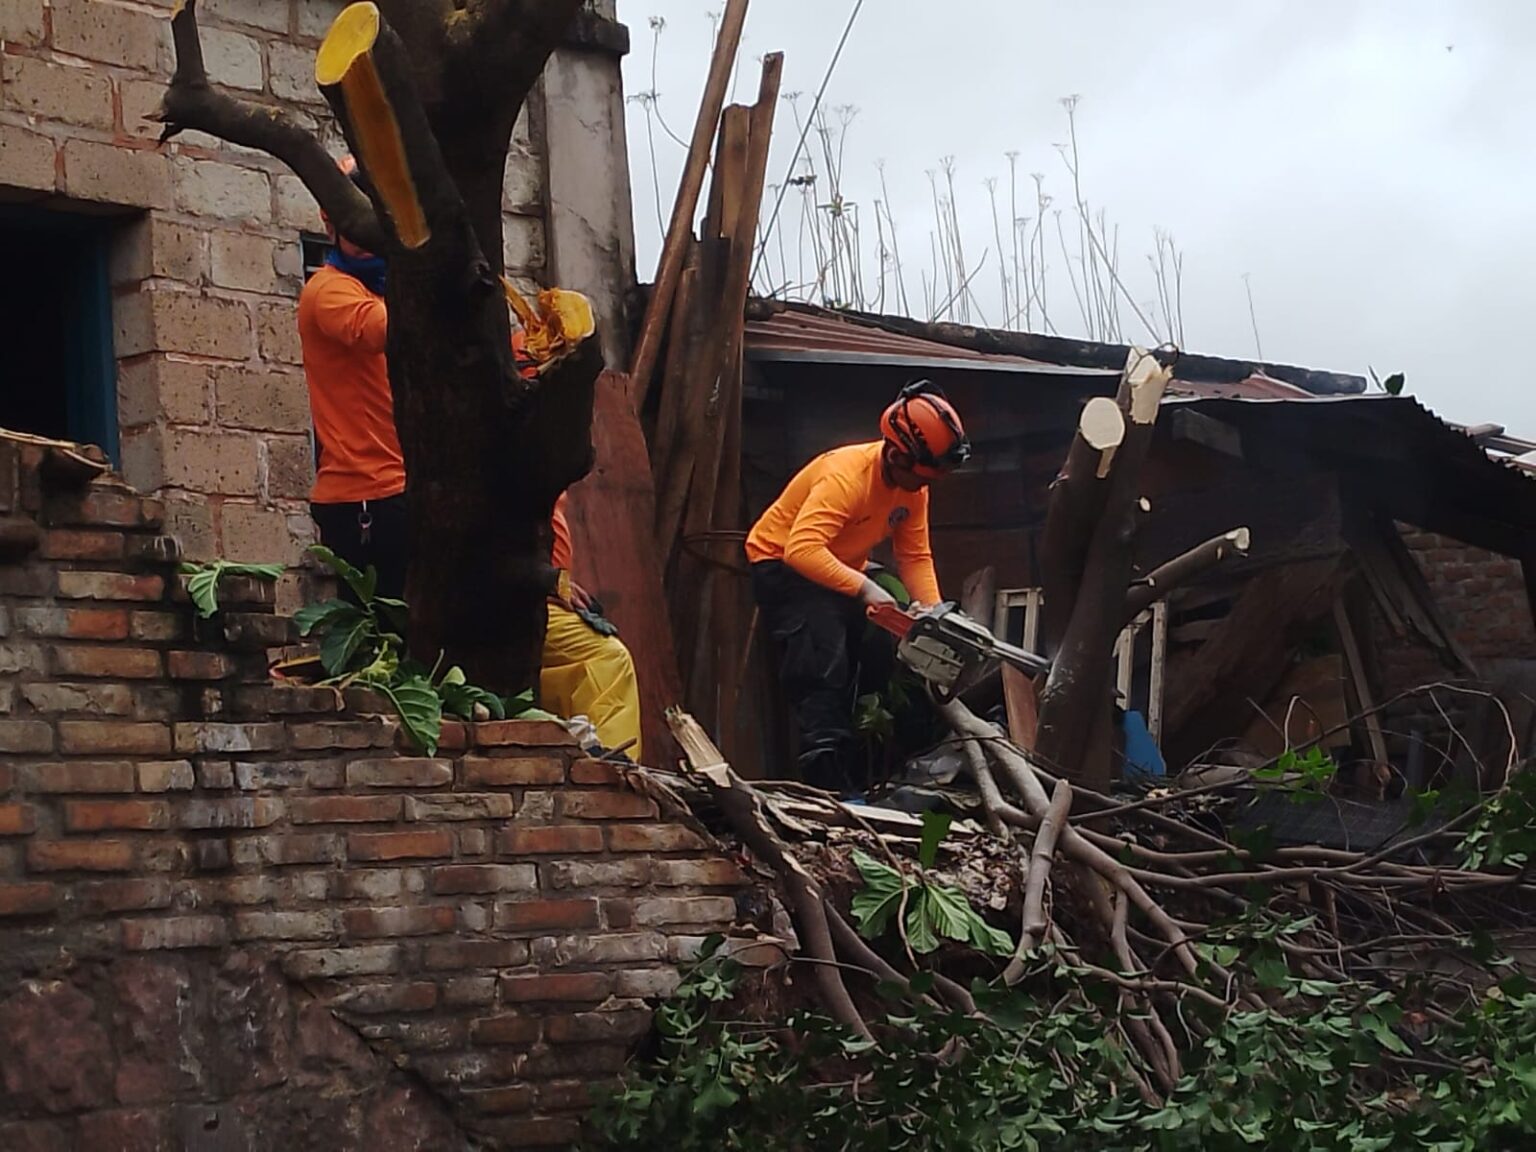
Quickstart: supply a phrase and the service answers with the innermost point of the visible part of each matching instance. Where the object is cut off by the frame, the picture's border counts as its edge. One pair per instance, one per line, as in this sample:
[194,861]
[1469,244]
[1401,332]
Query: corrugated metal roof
[814,338]
[823,338]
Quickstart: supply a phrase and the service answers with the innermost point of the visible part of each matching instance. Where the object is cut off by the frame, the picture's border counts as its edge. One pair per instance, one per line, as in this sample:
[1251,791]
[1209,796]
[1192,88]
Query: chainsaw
[948,649]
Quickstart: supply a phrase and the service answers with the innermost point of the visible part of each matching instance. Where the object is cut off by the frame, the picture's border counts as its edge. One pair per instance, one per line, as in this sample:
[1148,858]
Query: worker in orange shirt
[358,498]
[808,554]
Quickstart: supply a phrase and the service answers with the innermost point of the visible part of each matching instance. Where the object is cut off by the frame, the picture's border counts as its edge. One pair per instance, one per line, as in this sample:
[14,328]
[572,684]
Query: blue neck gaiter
[369,270]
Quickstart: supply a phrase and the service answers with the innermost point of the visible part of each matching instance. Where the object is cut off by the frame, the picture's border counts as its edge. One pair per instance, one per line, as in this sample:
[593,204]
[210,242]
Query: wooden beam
[1364,697]
[643,363]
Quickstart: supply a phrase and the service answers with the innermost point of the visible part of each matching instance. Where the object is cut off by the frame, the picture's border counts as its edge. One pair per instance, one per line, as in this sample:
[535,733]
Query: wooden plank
[643,363]
[1023,706]
[1357,674]
[670,410]
[610,513]
[980,593]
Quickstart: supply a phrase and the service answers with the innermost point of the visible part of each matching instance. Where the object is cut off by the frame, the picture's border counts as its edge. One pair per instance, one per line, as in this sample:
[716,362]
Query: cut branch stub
[346,63]
[1102,427]
[1163,579]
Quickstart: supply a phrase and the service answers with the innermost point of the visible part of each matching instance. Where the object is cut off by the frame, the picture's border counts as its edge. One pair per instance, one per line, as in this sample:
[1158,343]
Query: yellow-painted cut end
[561,320]
[352,34]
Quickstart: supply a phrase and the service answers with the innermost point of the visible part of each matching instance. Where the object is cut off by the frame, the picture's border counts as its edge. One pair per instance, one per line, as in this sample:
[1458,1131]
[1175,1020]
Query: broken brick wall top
[230,904]
[204,237]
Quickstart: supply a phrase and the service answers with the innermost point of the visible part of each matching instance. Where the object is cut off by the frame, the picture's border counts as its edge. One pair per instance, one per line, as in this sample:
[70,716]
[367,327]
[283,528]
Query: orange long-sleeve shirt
[834,513]
[342,330]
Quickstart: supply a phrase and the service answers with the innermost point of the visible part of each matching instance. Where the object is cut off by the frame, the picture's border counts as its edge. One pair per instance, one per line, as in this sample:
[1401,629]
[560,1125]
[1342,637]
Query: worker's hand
[871,595]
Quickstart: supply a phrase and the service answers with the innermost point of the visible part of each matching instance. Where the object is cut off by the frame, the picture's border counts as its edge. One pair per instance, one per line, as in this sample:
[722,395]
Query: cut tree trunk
[428,108]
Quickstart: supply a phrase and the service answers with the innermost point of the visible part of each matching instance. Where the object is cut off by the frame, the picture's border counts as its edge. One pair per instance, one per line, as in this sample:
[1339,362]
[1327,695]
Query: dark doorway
[58,376]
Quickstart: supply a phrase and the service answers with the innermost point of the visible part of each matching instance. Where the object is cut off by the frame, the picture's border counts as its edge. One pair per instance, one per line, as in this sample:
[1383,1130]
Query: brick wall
[229,903]
[206,261]
[1482,598]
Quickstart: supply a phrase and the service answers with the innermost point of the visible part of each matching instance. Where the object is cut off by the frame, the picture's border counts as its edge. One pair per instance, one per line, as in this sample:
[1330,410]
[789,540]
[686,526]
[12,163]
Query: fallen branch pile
[1148,899]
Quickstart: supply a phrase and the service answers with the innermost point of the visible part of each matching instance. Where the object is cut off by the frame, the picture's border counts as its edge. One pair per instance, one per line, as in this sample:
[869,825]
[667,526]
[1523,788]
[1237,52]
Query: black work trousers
[375,532]
[827,661]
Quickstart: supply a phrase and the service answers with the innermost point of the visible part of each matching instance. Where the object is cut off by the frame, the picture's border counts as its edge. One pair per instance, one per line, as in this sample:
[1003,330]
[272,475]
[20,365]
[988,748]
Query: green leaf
[1393,384]
[363,584]
[935,828]
[202,587]
[1384,1035]
[875,903]
[937,910]
[716,1096]
[326,614]
[342,643]
[420,710]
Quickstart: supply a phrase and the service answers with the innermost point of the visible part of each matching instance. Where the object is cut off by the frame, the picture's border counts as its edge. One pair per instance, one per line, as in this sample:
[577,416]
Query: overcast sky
[1366,163]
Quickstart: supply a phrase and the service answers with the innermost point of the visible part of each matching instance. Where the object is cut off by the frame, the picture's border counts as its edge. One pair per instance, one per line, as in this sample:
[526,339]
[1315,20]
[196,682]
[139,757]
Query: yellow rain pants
[591,675]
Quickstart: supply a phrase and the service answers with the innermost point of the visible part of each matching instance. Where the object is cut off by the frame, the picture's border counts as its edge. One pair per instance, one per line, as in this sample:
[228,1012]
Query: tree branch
[1163,579]
[190,103]
[500,46]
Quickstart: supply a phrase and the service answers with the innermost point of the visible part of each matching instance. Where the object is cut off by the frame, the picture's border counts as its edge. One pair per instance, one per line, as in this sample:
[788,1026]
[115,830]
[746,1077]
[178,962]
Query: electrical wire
[805,131]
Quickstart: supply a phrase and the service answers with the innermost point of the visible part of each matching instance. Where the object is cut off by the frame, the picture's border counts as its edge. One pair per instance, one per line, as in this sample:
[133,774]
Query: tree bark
[1074,706]
[1163,579]
[429,116]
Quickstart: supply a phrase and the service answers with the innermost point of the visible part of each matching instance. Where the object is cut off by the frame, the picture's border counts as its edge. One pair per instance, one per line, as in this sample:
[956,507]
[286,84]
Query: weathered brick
[270,399]
[21,657]
[78,776]
[287,925]
[244,262]
[474,842]
[33,899]
[80,856]
[468,991]
[656,838]
[100,506]
[347,734]
[23,22]
[345,809]
[367,923]
[667,910]
[401,772]
[458,879]
[117,175]
[109,586]
[68,92]
[291,472]
[534,915]
[175,932]
[194,665]
[290,848]
[460,806]
[215,775]
[377,998]
[27,158]
[277,333]
[614,805]
[522,734]
[593,1060]
[222,462]
[556,987]
[647,984]
[377,884]
[582,951]
[239,812]
[264,775]
[165,776]
[286,700]
[221,737]
[296,208]
[97,815]
[399,845]
[549,840]
[124,37]
[233,59]
[126,1131]
[293,73]
[334,963]
[17,820]
[599,1027]
[511,771]
[507,1028]
[107,896]
[155,626]
[25,736]
[476,954]
[109,662]
[583,874]
[697,873]
[73,623]
[119,737]
[80,544]
[596,772]
[212,188]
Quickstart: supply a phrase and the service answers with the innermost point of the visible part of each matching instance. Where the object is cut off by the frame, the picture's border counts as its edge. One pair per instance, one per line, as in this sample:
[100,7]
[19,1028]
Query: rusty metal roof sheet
[819,337]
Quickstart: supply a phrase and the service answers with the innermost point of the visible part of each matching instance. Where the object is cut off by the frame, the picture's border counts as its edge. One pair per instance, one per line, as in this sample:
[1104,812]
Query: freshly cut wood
[642,364]
[1163,579]
[1023,707]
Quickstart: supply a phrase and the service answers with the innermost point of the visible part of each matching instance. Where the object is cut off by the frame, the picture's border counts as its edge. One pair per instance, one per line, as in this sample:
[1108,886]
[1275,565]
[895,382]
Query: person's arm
[827,509]
[351,315]
[914,557]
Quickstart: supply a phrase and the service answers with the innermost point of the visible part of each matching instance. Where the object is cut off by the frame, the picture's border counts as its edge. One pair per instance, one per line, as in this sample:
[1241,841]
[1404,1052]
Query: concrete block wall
[206,261]
[229,904]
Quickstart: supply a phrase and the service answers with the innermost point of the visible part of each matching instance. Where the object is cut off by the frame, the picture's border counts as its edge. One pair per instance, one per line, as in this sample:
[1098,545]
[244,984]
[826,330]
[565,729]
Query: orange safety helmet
[924,431]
